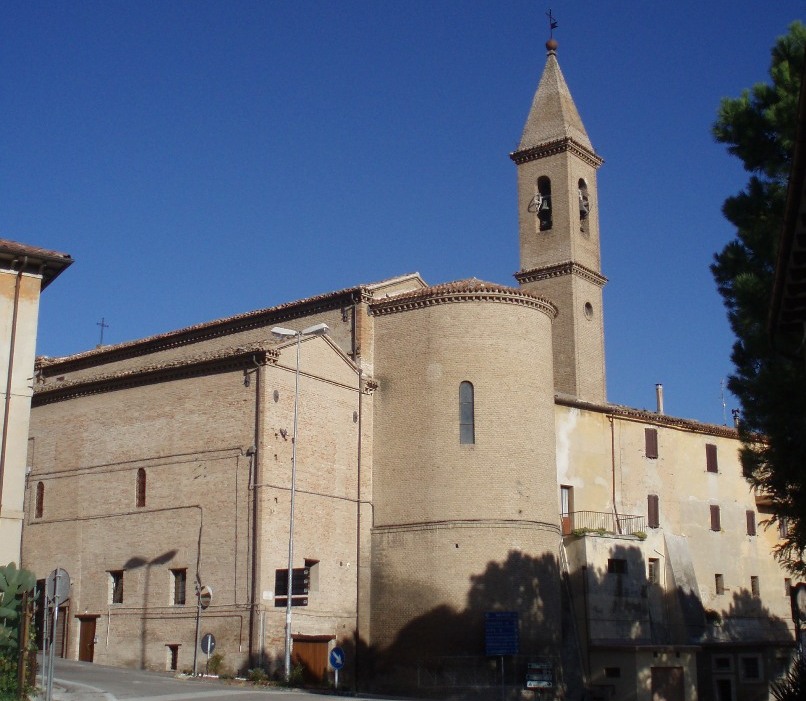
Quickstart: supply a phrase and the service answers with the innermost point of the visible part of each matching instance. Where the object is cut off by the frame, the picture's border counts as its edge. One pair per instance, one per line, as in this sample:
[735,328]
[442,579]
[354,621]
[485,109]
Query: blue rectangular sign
[501,634]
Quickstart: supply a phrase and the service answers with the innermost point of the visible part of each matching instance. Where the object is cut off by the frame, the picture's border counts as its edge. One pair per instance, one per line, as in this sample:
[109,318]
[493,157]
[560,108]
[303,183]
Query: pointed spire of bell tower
[554,115]
[559,230]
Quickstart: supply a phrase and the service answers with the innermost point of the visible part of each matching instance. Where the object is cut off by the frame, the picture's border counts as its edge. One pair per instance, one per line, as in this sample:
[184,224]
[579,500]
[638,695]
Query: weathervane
[552,24]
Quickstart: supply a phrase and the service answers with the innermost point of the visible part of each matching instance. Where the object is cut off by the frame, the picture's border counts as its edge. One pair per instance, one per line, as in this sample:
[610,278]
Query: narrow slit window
[140,497]
[39,507]
[467,428]
[754,588]
[651,442]
[180,580]
[653,511]
[116,586]
[719,583]
[711,464]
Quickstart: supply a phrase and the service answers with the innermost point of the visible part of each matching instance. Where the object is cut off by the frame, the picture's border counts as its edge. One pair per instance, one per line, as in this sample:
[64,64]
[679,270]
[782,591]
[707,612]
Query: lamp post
[282,333]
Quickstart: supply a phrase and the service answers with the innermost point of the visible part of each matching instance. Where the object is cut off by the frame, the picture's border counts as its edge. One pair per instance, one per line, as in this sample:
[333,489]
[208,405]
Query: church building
[462,506]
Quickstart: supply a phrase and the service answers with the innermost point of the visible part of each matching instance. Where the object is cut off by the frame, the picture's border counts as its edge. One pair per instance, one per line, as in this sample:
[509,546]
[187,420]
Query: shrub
[257,676]
[216,663]
[793,686]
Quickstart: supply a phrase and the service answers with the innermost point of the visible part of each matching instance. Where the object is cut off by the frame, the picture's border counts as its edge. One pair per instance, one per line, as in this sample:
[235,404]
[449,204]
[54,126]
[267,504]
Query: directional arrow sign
[337,658]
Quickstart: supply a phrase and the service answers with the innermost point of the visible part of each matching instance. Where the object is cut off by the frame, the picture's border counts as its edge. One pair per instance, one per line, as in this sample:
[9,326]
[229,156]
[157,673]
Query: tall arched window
[140,498]
[467,430]
[39,506]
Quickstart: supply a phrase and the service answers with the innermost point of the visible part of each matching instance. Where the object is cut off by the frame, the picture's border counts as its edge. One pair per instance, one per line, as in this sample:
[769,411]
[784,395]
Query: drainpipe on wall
[613,471]
[11,350]
[255,473]
[357,636]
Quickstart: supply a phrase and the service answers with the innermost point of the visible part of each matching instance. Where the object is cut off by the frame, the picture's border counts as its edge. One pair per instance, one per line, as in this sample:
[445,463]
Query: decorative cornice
[569,267]
[648,417]
[47,391]
[552,148]
[471,290]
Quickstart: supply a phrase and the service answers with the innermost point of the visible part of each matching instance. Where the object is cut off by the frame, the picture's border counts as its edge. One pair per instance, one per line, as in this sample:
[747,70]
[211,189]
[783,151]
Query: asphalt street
[83,681]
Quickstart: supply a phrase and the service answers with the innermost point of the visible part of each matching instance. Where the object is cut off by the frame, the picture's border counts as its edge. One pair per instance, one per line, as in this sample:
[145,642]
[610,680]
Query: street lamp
[282,333]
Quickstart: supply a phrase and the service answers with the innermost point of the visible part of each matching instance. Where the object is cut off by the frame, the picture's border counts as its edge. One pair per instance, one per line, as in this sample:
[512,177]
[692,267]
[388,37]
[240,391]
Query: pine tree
[759,128]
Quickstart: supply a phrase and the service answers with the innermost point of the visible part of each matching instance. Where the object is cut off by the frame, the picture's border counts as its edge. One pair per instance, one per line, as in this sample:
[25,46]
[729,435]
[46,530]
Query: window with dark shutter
[711,463]
[719,584]
[140,491]
[653,511]
[651,440]
[715,521]
[751,522]
[39,507]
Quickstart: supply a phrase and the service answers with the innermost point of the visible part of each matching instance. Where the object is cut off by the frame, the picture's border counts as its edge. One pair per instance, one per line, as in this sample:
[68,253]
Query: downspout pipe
[11,350]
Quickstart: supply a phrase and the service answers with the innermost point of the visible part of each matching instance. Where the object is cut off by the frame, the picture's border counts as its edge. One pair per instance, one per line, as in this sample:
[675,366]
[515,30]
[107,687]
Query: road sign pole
[198,616]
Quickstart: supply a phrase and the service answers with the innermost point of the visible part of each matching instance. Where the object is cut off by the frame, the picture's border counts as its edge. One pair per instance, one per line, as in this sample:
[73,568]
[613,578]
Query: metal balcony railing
[602,522]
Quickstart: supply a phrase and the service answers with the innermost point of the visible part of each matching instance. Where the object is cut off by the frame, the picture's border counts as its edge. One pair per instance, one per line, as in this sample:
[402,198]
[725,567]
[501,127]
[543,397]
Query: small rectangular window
[616,566]
[716,524]
[653,571]
[179,581]
[723,664]
[750,668]
[653,511]
[711,463]
[467,410]
[719,583]
[754,590]
[787,586]
[116,586]
[751,522]
[651,442]
[612,672]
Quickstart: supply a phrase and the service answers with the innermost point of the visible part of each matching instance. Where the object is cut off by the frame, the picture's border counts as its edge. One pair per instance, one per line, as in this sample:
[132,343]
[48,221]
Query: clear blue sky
[202,159]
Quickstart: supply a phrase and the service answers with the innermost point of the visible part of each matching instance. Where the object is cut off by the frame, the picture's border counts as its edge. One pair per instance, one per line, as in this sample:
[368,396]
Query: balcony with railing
[602,522]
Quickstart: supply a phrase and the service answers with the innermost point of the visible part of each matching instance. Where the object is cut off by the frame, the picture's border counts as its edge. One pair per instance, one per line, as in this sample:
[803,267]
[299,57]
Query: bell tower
[558,220]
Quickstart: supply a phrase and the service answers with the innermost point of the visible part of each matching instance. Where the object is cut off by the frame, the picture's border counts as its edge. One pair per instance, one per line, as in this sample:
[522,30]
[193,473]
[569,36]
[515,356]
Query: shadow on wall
[444,649]
[442,652]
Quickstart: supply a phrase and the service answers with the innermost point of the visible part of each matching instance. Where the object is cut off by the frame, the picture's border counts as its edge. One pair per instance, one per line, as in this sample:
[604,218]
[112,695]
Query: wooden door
[312,655]
[86,639]
[667,684]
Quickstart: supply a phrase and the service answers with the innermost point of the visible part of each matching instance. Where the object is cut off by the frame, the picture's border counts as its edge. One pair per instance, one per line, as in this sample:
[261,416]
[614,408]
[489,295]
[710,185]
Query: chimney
[659,397]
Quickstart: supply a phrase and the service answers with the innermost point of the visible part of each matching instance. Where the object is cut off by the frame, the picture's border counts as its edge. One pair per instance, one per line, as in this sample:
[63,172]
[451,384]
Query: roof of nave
[649,417]
[33,259]
[468,290]
[553,116]
[230,324]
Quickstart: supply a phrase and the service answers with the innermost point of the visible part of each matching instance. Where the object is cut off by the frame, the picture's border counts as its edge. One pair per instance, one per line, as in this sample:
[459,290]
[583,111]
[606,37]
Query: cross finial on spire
[552,24]
[102,323]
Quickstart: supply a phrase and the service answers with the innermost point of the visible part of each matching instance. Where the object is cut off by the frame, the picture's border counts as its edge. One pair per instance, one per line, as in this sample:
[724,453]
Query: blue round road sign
[208,644]
[337,658]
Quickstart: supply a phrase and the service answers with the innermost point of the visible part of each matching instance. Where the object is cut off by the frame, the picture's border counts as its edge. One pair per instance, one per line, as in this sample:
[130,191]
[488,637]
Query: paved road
[83,681]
